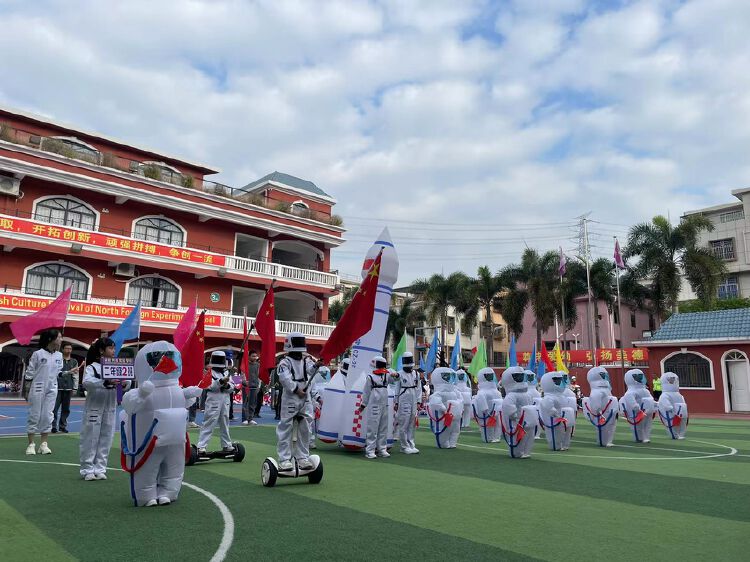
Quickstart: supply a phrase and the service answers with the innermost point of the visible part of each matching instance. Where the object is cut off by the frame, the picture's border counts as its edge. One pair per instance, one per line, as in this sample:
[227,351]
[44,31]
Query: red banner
[112,311]
[603,356]
[74,235]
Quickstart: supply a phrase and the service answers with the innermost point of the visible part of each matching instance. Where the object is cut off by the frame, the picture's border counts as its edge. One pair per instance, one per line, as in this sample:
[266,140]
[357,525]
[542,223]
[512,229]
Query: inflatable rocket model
[351,429]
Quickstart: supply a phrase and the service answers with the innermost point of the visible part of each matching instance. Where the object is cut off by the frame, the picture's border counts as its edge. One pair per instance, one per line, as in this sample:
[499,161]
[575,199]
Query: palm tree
[482,293]
[664,251]
[402,319]
[438,294]
[336,309]
[602,289]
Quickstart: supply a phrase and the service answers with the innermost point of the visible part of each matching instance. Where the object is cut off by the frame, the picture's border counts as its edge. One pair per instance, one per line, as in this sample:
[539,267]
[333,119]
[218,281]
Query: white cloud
[441,114]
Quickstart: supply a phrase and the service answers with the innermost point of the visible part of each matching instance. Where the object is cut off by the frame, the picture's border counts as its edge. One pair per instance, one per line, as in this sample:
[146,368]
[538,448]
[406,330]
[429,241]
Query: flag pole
[564,325]
[619,314]
[591,311]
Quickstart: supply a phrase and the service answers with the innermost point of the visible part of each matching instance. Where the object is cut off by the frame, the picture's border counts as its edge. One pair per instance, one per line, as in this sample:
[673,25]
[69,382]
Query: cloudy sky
[471,128]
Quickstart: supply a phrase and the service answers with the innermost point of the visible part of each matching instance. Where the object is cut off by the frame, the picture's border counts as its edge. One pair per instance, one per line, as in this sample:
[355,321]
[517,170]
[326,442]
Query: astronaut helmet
[379,365]
[218,360]
[670,382]
[443,378]
[598,377]
[461,376]
[635,378]
[344,368]
[295,342]
[325,373]
[407,362]
[514,379]
[487,379]
[159,362]
[553,382]
[530,377]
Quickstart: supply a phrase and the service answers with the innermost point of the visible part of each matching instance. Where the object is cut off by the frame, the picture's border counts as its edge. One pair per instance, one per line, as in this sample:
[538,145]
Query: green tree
[402,319]
[665,251]
[336,309]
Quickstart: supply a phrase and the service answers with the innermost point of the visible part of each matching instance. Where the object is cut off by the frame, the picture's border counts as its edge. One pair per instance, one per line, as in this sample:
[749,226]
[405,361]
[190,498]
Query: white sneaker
[44,449]
[164,500]
[193,425]
[245,422]
[411,451]
[90,476]
[201,451]
[305,464]
[370,456]
[31,449]
[150,503]
[384,454]
[253,422]
[285,466]
[100,476]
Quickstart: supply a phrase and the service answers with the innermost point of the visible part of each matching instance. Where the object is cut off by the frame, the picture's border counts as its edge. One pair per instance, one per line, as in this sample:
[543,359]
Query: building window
[300,209]
[71,148]
[651,322]
[163,231]
[632,319]
[451,325]
[694,371]
[51,279]
[153,291]
[723,249]
[498,358]
[616,315]
[66,212]
[161,171]
[729,288]
[732,216]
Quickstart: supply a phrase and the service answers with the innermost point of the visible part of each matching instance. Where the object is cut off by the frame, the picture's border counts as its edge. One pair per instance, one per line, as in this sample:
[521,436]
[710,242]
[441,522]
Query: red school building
[124,225]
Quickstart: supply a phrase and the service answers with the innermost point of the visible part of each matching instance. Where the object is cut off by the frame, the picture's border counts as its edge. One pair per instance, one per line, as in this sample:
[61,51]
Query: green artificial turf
[629,502]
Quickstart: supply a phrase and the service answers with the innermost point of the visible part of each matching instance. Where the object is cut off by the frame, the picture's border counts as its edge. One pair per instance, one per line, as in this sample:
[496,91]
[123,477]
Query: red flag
[265,326]
[357,318]
[547,361]
[192,355]
[245,363]
[185,327]
[51,316]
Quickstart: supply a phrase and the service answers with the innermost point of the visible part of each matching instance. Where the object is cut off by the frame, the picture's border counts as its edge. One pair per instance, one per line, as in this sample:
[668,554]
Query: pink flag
[185,327]
[51,316]
[618,257]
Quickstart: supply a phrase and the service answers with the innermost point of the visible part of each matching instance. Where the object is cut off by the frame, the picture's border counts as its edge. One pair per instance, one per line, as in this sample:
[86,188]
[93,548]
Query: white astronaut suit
[487,404]
[600,407]
[520,417]
[296,371]
[445,407]
[673,410]
[463,385]
[555,413]
[375,405]
[317,388]
[99,423]
[536,396]
[42,371]
[638,406]
[218,398]
[408,396]
[153,426]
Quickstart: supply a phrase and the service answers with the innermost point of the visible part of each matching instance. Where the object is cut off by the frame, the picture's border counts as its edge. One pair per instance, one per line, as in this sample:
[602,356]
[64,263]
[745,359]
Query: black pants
[259,403]
[63,399]
[657,393]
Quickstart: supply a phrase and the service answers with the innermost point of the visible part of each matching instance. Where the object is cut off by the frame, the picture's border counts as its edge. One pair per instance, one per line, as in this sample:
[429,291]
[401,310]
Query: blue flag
[532,361]
[512,358]
[432,354]
[130,329]
[456,354]
[542,370]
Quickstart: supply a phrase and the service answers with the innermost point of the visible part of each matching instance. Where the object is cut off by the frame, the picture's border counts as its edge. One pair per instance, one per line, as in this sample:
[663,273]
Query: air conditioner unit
[125,270]
[10,185]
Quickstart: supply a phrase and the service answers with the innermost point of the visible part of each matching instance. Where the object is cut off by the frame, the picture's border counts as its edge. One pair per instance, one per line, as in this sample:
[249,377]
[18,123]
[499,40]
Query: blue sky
[472,128]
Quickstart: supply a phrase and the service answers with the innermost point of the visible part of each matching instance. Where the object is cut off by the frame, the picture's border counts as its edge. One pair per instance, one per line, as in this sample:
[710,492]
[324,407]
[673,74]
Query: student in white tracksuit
[463,385]
[153,426]
[600,407]
[319,382]
[408,396]
[98,413]
[520,417]
[295,372]
[673,410]
[216,410]
[44,366]
[445,407]
[638,406]
[375,402]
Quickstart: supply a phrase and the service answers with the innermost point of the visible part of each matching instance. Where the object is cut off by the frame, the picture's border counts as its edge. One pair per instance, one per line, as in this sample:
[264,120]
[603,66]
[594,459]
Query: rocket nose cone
[389,268]
[385,236]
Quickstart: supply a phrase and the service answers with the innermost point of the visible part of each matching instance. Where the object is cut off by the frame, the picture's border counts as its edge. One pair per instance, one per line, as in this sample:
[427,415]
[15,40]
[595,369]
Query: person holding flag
[44,365]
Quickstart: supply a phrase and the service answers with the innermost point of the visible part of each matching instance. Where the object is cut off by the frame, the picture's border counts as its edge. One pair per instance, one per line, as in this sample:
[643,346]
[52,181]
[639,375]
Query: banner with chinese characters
[603,356]
[74,235]
[110,311]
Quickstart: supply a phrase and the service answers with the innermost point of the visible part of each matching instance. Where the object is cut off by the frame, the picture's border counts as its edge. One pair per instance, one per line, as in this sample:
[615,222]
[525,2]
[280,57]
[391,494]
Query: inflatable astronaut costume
[673,410]
[153,426]
[600,407]
[317,388]
[445,406]
[487,405]
[463,385]
[520,417]
[638,406]
[555,413]
[217,404]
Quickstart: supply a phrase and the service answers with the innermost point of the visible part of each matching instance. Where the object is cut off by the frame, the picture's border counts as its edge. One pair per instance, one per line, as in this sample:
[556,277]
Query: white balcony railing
[94,309]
